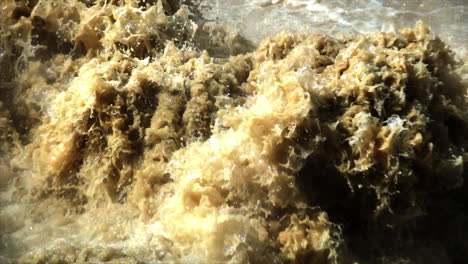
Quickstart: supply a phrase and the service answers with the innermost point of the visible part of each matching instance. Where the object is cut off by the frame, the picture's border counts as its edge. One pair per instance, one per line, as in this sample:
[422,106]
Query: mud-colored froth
[130,132]
[258,19]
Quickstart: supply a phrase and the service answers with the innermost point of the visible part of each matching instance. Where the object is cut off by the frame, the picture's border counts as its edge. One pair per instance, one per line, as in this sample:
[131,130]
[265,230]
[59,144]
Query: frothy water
[258,19]
[122,139]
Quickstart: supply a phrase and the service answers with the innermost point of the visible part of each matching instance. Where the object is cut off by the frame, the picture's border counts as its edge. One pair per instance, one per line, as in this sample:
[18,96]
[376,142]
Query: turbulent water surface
[270,131]
[258,19]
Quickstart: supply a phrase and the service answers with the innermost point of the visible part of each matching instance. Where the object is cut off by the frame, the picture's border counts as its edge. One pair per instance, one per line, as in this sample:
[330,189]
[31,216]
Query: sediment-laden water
[233,132]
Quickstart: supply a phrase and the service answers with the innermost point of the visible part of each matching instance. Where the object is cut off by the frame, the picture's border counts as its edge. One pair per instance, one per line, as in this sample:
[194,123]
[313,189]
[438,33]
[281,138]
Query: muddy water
[232,132]
[260,18]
